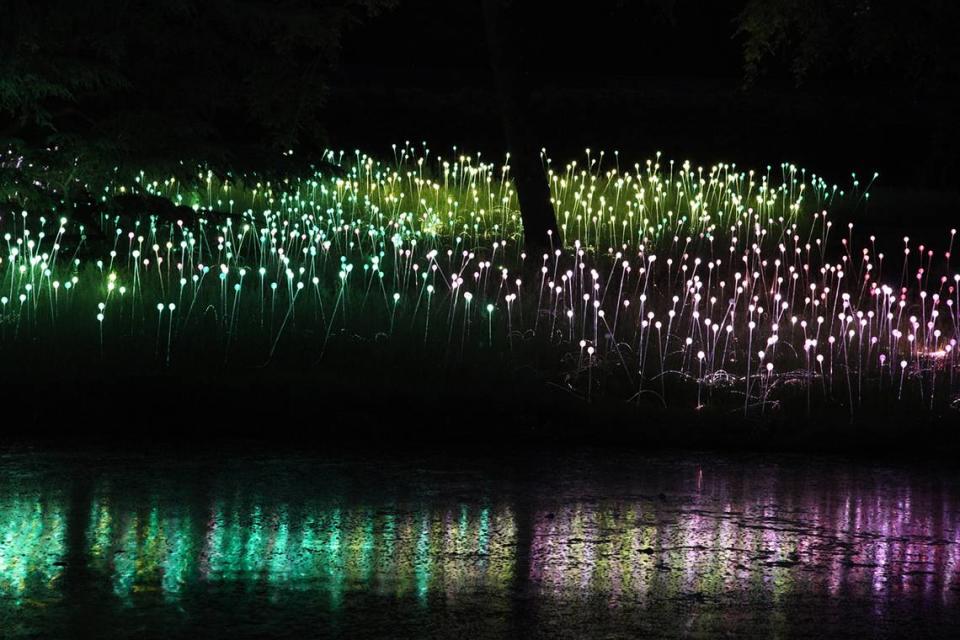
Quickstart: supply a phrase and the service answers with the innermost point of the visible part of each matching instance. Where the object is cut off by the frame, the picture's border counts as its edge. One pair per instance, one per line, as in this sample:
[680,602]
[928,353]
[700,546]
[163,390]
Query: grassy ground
[393,299]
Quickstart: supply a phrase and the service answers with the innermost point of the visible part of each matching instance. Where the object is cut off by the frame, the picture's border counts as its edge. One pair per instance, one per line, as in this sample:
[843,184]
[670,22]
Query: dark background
[639,77]
[608,77]
[834,85]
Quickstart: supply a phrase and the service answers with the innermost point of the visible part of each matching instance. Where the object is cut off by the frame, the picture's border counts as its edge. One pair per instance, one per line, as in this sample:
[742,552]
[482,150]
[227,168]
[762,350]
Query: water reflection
[705,538]
[330,551]
[32,546]
[864,546]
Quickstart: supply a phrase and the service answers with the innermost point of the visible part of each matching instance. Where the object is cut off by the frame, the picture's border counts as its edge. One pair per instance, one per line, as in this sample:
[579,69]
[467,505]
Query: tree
[169,78]
[533,191]
[906,53]
[511,27]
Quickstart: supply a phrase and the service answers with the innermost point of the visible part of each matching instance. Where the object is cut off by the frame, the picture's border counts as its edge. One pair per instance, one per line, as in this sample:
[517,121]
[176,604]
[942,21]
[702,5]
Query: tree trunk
[530,178]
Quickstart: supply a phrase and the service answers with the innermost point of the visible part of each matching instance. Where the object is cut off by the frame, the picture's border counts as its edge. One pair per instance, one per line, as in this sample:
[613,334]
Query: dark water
[589,545]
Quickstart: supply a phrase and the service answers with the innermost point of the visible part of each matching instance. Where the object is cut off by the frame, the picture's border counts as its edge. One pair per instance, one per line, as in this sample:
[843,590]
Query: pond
[589,544]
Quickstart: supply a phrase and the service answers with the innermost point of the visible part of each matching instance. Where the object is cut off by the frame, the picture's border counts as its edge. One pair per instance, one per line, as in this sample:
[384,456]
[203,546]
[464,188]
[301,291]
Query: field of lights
[676,285]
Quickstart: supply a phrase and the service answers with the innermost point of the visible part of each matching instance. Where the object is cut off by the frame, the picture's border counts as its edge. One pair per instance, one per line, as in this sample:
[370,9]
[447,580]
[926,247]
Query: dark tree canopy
[904,54]
[162,77]
[904,45]
[237,80]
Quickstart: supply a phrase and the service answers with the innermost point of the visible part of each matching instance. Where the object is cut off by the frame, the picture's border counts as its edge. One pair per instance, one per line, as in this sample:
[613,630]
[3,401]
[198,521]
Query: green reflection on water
[180,564]
[32,546]
[331,551]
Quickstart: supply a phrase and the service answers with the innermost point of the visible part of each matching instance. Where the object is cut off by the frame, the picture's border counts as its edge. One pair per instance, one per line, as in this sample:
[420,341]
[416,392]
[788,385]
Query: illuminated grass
[680,285]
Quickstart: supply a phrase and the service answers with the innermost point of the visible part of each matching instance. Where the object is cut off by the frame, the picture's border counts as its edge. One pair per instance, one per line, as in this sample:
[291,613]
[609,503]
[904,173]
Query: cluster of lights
[713,279]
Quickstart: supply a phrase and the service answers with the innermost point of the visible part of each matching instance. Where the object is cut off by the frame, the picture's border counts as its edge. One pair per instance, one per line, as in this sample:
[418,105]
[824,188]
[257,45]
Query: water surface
[586,545]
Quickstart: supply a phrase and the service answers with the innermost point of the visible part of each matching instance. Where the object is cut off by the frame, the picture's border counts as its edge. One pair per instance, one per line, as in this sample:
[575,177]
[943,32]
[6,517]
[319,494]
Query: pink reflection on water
[768,540]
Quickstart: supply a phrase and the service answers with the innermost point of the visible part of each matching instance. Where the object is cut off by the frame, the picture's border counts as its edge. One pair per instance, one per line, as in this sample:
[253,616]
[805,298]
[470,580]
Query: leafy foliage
[905,54]
[162,78]
[912,45]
